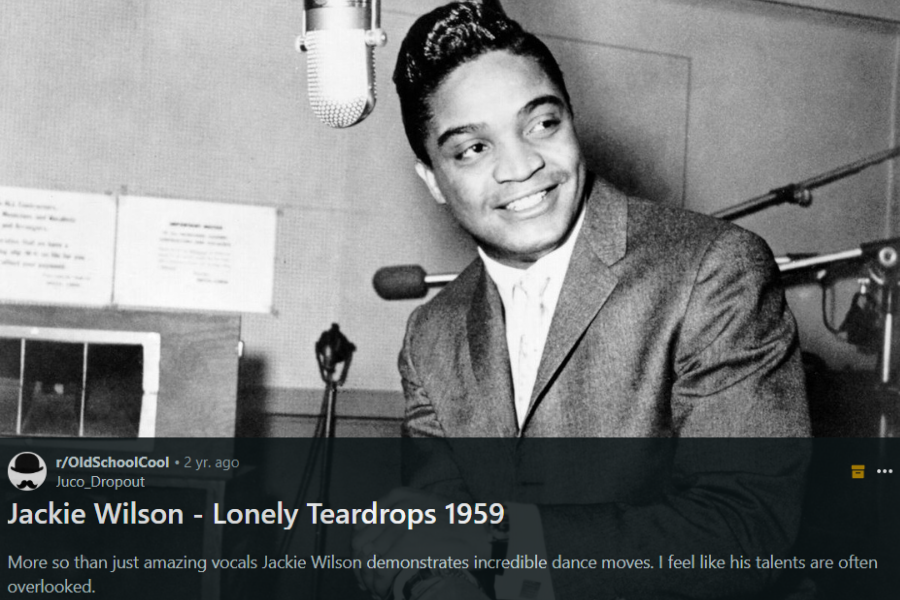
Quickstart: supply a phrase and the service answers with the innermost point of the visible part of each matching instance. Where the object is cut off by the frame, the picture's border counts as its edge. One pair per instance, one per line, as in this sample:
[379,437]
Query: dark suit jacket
[669,325]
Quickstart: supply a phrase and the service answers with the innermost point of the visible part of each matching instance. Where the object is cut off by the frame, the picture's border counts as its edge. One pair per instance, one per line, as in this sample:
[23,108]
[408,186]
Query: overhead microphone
[339,37]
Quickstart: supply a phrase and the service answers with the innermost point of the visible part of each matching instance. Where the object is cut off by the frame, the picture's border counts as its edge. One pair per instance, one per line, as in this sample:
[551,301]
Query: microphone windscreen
[341,74]
[402,282]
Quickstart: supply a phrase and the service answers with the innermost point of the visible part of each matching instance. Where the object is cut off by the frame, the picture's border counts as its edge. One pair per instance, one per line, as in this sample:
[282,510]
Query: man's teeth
[526,202]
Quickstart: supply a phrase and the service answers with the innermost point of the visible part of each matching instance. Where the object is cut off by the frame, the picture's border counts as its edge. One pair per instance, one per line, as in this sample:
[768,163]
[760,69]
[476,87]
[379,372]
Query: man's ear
[427,175]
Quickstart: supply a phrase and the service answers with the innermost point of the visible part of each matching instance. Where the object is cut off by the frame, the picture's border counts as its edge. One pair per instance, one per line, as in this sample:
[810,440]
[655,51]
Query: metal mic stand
[332,349]
[887,260]
[801,193]
[885,273]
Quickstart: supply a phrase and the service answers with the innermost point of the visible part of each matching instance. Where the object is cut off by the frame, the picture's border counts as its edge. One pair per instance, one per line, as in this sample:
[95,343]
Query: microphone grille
[341,71]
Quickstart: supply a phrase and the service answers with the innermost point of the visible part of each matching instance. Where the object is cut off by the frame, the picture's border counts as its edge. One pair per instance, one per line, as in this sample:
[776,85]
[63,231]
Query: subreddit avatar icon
[27,471]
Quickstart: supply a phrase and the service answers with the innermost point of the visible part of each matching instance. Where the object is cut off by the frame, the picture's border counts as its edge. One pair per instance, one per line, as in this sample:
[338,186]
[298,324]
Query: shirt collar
[553,265]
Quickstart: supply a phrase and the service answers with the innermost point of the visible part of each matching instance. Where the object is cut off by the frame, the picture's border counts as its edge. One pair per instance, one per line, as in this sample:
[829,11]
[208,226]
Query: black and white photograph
[417,299]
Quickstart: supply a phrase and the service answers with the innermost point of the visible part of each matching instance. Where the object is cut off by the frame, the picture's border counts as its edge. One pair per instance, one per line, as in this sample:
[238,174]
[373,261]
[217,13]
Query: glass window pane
[10,382]
[114,390]
[51,394]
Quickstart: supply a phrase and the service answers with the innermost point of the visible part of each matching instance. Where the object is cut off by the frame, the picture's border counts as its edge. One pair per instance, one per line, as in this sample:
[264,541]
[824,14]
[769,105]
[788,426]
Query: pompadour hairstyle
[446,38]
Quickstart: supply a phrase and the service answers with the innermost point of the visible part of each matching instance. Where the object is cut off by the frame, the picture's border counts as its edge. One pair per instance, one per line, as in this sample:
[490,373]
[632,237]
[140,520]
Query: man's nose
[517,161]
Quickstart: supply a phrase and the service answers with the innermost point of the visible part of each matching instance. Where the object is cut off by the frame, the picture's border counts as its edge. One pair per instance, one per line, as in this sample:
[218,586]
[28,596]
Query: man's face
[505,157]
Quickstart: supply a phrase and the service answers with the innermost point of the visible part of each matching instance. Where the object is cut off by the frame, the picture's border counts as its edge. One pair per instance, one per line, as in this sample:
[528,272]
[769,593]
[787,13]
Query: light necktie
[528,300]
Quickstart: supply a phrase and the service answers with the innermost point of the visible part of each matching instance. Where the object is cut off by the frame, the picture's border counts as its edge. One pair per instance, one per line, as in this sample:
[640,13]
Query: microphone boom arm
[801,193]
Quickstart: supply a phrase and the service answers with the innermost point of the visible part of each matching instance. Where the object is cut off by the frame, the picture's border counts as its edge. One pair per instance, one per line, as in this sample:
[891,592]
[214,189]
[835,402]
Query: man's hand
[439,541]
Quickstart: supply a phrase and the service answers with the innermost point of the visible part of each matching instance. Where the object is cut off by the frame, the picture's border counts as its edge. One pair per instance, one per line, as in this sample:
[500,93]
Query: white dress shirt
[550,269]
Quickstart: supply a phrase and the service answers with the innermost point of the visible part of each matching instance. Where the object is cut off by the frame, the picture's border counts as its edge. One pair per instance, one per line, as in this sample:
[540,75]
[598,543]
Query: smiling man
[588,314]
[503,155]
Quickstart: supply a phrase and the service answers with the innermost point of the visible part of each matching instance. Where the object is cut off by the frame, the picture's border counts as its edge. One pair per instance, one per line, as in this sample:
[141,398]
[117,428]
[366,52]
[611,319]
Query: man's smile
[527,202]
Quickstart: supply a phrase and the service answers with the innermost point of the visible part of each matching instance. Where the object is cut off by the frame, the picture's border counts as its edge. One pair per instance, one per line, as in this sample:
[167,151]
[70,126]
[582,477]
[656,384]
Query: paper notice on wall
[194,255]
[56,247]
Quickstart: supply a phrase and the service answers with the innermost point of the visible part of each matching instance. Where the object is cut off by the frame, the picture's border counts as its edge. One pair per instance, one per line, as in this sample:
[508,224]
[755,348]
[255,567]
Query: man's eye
[545,125]
[471,151]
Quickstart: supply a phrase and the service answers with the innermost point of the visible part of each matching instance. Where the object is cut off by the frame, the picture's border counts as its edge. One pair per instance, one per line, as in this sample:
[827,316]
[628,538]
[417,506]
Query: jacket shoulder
[448,309]
[673,232]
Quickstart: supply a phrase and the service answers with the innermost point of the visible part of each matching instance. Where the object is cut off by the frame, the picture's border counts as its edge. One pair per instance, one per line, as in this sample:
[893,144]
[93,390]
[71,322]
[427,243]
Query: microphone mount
[332,349]
[348,16]
[884,273]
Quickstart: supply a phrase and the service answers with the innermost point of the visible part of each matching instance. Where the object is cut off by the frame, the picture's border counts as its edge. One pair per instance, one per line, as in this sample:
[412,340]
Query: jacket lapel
[588,283]
[493,406]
